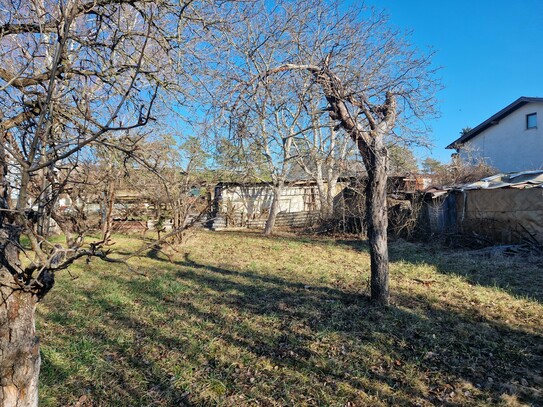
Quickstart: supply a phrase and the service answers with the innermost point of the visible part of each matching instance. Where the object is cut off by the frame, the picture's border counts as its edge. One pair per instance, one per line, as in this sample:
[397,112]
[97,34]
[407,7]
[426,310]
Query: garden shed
[239,204]
[505,208]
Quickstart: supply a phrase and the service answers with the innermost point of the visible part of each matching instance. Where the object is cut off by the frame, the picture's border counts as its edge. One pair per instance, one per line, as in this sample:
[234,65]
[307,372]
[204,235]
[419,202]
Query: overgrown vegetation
[458,171]
[238,319]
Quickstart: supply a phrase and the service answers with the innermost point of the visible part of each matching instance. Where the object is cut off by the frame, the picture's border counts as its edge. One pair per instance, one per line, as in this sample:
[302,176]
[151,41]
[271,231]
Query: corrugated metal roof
[524,179]
[517,180]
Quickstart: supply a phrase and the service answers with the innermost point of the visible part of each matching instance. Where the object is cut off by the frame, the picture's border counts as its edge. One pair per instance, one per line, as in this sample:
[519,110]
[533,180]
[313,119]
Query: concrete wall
[508,145]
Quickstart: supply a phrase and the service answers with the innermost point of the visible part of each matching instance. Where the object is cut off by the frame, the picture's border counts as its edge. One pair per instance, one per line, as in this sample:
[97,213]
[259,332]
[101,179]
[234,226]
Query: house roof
[494,119]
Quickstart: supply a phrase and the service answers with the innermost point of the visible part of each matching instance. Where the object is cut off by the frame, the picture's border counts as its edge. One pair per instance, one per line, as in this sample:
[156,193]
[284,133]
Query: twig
[427,283]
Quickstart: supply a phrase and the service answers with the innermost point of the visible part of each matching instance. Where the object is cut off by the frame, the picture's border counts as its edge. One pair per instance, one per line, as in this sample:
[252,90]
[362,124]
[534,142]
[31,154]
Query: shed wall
[255,201]
[506,215]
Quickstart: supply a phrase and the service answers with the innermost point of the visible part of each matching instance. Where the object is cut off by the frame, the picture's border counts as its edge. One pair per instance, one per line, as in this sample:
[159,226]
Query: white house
[510,140]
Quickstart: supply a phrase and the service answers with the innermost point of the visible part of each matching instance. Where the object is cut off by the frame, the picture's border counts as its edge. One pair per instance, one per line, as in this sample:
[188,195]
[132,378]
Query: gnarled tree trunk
[377,221]
[19,345]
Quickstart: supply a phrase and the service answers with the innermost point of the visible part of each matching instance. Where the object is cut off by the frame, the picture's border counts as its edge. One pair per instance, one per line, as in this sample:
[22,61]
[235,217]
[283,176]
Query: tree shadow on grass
[236,337]
[118,373]
[460,346]
[302,239]
[517,275]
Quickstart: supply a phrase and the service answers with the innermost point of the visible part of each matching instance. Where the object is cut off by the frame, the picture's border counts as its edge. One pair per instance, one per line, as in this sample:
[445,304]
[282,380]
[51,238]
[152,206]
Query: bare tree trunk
[19,345]
[323,201]
[321,187]
[330,191]
[377,220]
[274,209]
[178,220]
[107,215]
[4,183]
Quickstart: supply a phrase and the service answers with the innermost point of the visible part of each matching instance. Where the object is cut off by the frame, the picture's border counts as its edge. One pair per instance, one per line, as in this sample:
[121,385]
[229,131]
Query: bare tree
[74,74]
[278,124]
[374,84]
[272,113]
[169,175]
[323,153]
[458,171]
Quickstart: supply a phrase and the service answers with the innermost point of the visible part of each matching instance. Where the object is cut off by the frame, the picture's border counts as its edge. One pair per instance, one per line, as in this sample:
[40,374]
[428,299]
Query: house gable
[508,140]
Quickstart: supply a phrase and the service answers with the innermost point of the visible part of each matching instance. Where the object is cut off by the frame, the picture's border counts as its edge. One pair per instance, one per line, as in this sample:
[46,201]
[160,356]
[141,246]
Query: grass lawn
[237,319]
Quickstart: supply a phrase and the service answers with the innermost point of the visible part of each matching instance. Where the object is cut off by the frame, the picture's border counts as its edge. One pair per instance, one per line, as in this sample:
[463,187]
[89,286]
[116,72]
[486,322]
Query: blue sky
[491,53]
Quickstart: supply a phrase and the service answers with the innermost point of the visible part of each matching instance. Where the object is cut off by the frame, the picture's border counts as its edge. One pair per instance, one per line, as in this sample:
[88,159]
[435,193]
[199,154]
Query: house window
[531,121]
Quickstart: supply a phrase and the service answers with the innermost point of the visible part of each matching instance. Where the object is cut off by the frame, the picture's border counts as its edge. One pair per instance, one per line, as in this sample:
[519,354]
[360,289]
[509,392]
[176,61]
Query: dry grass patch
[241,320]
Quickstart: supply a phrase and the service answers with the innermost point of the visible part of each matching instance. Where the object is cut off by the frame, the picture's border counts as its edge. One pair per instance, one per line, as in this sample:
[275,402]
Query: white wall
[509,146]
[253,201]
